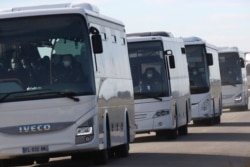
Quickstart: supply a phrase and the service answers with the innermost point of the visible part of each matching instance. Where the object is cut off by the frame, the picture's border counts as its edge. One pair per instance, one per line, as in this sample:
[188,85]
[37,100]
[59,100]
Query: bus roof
[193,40]
[85,6]
[228,49]
[197,41]
[152,36]
[145,34]
[88,8]
[233,49]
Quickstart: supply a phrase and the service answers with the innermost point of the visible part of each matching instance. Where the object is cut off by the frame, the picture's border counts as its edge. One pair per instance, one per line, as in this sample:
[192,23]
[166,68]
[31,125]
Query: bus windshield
[148,69]
[230,68]
[45,57]
[197,68]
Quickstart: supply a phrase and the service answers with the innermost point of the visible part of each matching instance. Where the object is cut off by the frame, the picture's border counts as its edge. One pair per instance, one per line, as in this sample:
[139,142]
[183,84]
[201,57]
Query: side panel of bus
[247,64]
[114,87]
[215,83]
[245,93]
[179,81]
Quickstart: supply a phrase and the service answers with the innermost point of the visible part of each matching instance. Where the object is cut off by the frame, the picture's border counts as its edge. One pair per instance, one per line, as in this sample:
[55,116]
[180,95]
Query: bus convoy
[73,83]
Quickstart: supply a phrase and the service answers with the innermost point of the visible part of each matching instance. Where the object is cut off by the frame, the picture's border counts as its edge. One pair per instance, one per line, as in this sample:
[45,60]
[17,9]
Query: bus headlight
[238,98]
[205,105]
[85,132]
[161,113]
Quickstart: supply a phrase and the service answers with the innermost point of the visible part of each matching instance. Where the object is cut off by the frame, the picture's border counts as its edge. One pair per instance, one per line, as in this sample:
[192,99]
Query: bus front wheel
[101,157]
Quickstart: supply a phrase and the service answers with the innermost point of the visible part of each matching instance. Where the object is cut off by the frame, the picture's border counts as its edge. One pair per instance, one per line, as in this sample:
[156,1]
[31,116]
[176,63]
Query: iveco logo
[34,128]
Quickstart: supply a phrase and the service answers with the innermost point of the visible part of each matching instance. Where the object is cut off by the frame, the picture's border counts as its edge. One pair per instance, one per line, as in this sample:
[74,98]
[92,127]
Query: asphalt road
[223,145]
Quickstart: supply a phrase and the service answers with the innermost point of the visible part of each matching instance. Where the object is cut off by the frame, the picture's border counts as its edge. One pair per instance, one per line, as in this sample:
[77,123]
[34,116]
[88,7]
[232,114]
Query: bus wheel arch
[173,133]
[183,130]
[211,120]
[123,149]
[218,117]
[101,157]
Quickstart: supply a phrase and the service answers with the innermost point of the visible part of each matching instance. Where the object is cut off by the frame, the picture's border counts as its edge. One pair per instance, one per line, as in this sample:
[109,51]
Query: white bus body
[205,81]
[247,63]
[43,116]
[234,80]
[162,107]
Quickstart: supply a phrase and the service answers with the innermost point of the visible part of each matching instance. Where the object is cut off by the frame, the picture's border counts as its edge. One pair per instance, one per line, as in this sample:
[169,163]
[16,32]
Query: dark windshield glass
[230,68]
[197,68]
[148,69]
[48,54]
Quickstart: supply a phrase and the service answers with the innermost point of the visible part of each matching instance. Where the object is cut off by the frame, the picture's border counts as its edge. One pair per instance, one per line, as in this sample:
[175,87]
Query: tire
[209,121]
[183,130]
[123,150]
[244,108]
[172,134]
[101,157]
[217,120]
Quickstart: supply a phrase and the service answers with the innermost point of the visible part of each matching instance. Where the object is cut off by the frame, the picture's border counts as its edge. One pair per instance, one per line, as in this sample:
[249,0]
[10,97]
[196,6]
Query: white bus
[65,84]
[234,81]
[205,81]
[161,85]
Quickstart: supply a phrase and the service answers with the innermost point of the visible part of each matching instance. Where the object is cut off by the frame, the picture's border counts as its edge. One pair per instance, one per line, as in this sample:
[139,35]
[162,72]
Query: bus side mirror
[210,59]
[171,61]
[242,62]
[96,40]
[170,56]
[97,43]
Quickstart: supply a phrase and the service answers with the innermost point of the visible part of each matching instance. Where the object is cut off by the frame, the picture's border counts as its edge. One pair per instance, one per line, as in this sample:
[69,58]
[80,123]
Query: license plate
[35,149]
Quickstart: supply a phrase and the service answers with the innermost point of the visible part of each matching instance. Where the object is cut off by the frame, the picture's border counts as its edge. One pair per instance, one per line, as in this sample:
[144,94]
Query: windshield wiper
[11,93]
[145,95]
[228,83]
[157,98]
[68,94]
[8,94]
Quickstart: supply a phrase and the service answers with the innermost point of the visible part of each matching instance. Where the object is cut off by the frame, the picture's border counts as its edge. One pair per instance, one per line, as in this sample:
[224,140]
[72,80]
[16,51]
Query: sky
[219,22]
